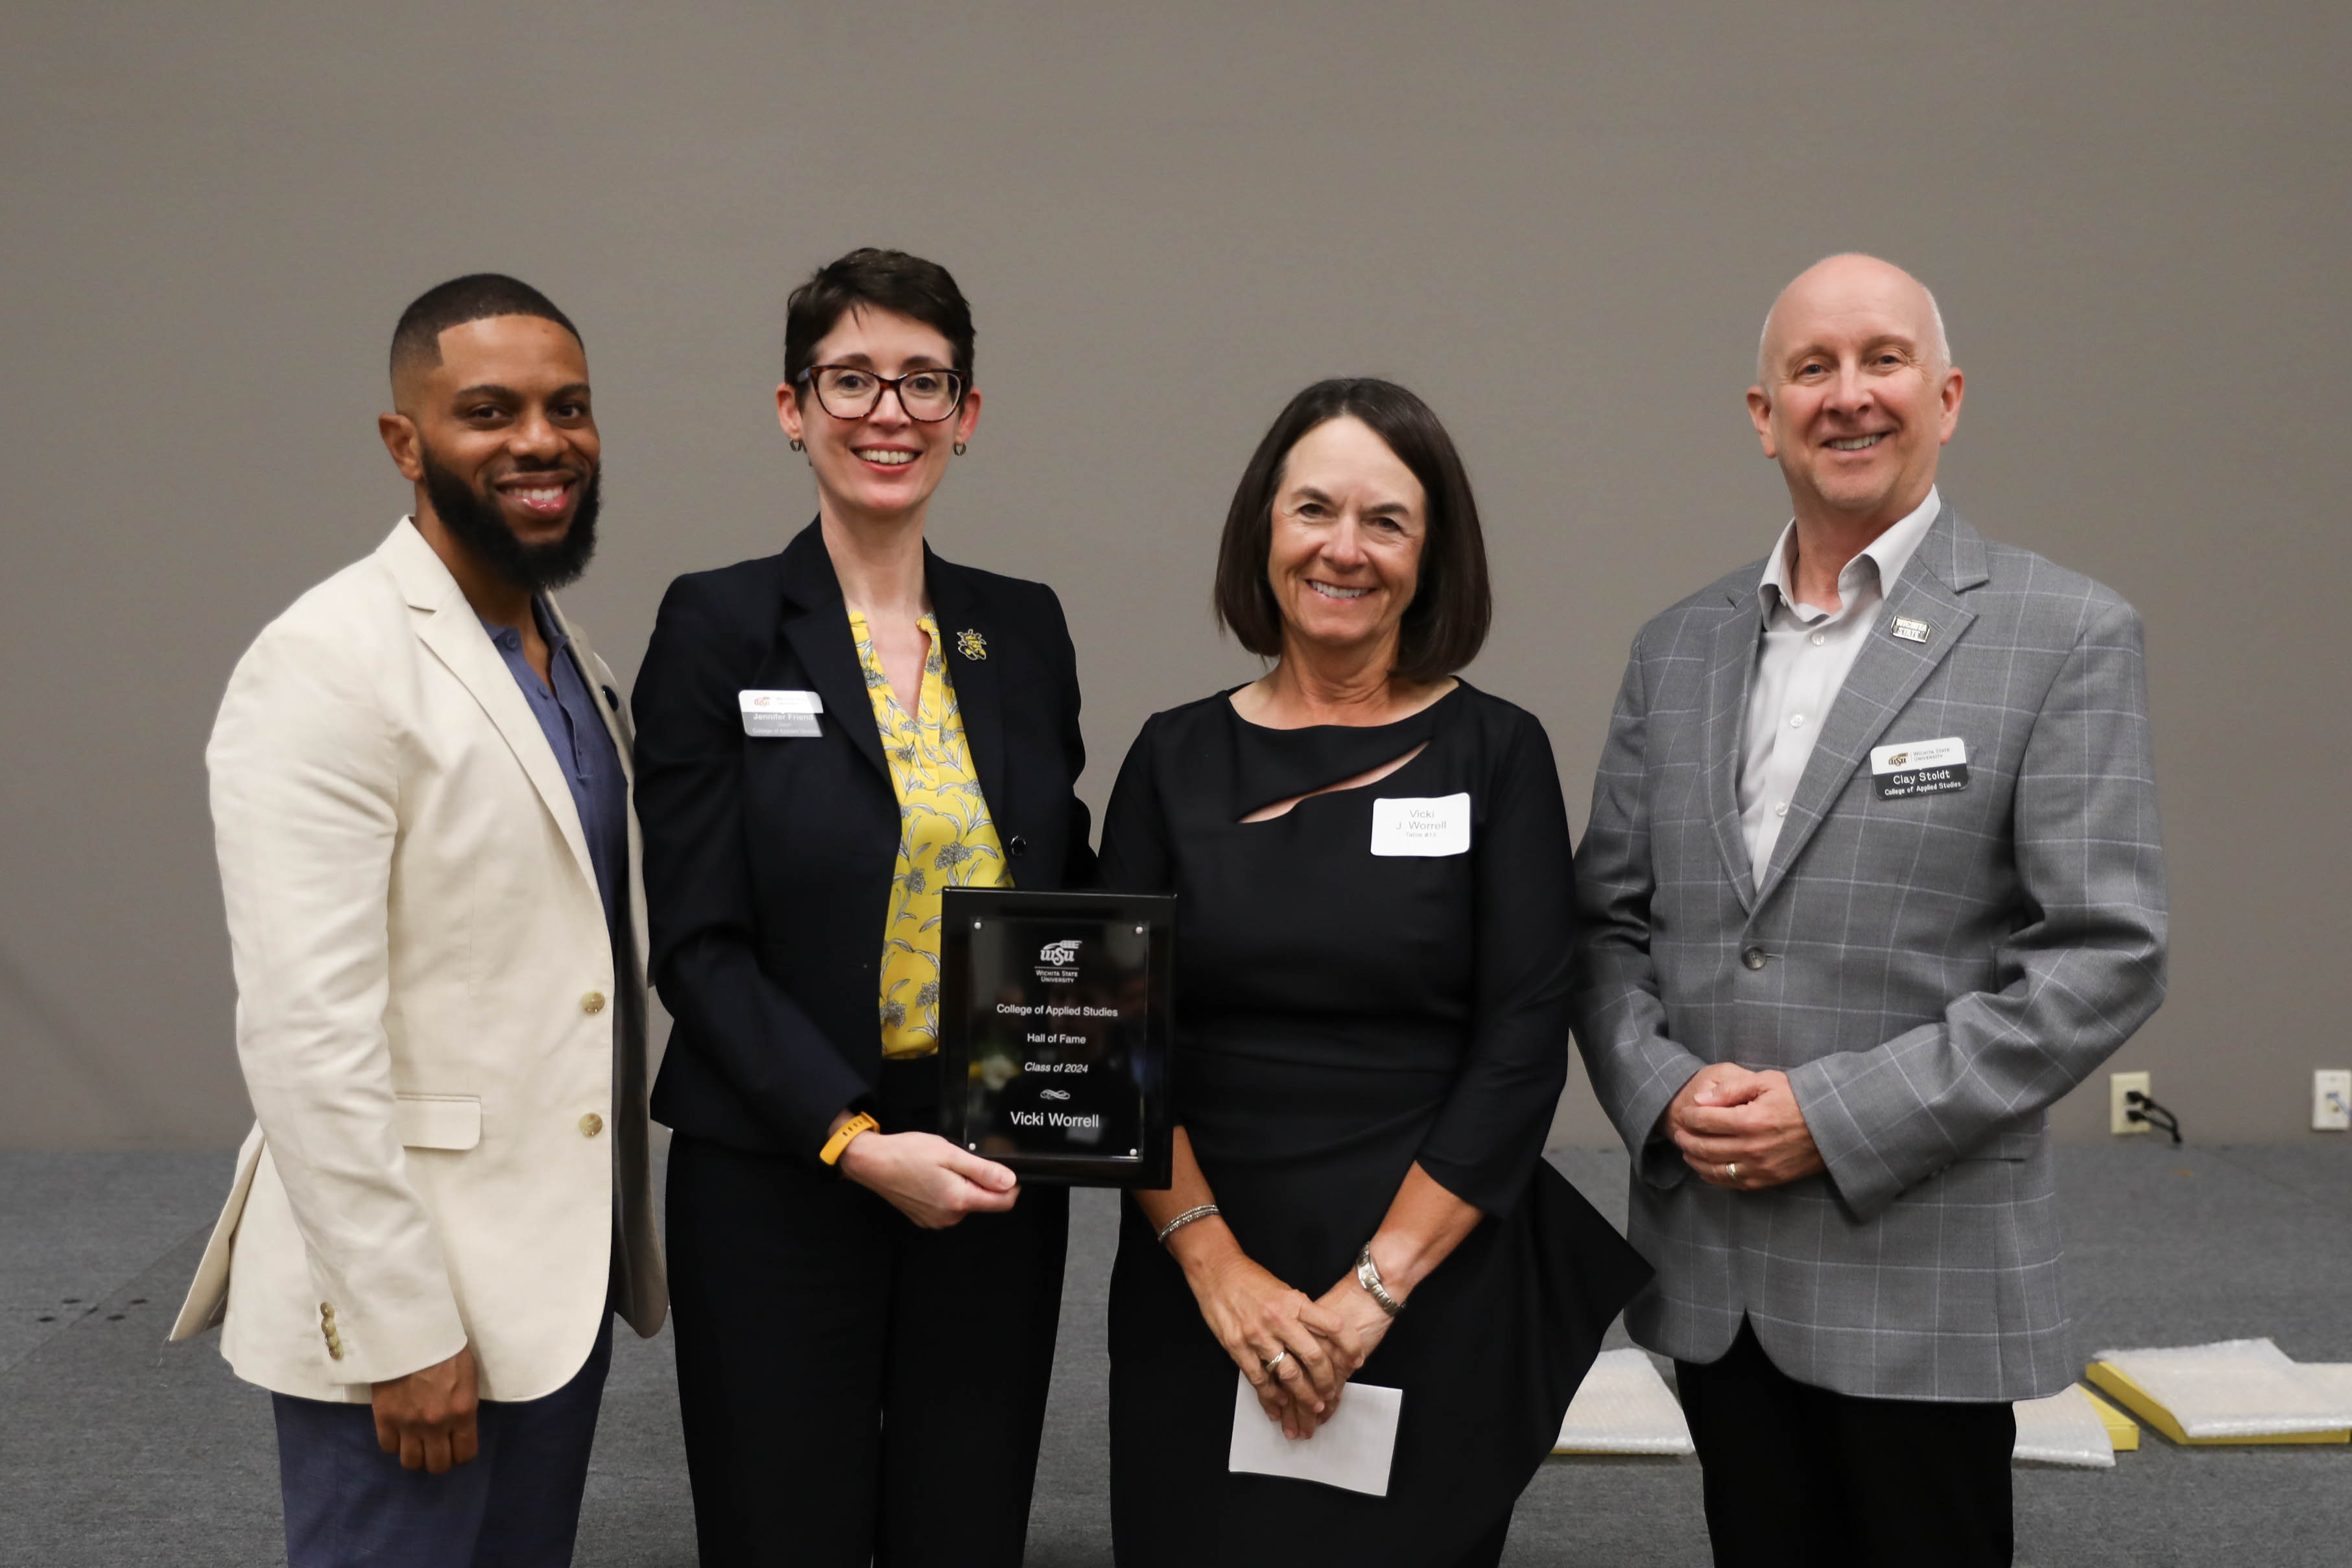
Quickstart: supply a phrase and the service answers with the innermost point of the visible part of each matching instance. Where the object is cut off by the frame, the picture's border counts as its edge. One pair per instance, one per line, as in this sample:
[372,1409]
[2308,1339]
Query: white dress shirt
[1801,662]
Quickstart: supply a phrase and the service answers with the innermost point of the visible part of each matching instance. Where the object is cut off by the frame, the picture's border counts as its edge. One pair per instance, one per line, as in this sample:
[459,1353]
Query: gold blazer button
[591,1124]
[592,1003]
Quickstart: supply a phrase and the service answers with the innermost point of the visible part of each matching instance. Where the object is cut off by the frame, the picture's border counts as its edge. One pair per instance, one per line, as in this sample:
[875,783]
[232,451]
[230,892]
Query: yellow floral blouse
[945,837]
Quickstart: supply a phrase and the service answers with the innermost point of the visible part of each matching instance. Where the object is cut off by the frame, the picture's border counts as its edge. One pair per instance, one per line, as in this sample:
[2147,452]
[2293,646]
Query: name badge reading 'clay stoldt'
[1920,767]
[1422,825]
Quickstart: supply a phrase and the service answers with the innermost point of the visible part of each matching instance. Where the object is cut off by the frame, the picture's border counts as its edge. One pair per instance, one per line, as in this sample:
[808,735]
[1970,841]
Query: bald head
[1840,287]
[1855,396]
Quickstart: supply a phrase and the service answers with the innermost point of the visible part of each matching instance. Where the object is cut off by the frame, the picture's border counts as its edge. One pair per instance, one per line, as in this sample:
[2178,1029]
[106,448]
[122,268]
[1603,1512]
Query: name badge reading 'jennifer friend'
[775,713]
[1920,767]
[1422,825]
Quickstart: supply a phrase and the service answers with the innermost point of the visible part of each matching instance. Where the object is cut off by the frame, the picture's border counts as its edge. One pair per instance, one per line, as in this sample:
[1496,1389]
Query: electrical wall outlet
[2120,1084]
[2331,1100]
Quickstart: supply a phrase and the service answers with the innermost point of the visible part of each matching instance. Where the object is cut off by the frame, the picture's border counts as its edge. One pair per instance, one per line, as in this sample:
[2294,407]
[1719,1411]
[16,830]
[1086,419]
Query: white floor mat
[2063,1429]
[2235,1388]
[1623,1407]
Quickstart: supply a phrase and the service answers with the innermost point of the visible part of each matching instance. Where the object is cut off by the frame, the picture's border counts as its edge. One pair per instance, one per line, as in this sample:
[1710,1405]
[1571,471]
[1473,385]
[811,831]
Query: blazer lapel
[451,629]
[965,630]
[816,623]
[1885,675]
[1731,669]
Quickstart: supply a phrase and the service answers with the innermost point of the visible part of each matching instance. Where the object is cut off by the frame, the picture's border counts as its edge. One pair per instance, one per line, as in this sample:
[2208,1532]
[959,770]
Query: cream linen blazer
[450,1119]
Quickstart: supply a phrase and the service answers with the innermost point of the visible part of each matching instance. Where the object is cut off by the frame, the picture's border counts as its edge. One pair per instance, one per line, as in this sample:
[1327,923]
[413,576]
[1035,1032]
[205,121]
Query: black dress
[1341,1015]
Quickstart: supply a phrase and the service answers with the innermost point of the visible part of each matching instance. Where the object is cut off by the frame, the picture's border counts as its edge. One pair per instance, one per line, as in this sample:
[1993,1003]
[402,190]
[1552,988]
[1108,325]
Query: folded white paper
[2063,1429]
[2234,1388]
[1352,1450]
[2333,1378]
[1624,1406]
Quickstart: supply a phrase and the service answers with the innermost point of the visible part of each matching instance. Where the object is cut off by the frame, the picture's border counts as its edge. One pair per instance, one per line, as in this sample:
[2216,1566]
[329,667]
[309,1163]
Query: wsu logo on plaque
[1058,961]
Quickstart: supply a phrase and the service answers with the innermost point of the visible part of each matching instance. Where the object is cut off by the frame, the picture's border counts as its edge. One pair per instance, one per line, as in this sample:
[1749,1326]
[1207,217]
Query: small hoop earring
[961,448]
[798,444]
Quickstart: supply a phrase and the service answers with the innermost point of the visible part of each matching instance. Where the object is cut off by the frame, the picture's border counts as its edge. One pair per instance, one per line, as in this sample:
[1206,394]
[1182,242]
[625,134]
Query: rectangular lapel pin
[1910,630]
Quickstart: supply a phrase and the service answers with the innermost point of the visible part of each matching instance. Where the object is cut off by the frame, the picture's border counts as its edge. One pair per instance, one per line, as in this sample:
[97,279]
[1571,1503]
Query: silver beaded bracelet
[1181,1220]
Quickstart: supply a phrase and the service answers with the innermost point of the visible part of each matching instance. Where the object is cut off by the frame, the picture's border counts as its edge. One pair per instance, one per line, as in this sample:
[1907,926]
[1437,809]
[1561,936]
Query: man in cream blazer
[420,791]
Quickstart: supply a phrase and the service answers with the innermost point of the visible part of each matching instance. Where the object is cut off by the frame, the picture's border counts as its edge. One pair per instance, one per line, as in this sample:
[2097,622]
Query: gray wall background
[1560,223]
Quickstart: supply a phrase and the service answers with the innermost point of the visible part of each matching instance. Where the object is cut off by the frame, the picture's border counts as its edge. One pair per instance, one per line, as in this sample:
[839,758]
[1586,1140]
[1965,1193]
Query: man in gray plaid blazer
[1872,878]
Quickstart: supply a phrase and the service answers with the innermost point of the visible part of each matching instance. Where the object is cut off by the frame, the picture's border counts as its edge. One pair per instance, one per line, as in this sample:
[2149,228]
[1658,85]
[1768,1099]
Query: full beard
[477,520]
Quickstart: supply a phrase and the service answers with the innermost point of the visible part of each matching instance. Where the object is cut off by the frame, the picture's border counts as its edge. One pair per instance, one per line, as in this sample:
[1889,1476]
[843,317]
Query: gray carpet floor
[116,1449]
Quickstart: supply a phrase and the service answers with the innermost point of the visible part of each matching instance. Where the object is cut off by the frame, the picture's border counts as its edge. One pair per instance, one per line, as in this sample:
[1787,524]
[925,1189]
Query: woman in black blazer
[865,1311]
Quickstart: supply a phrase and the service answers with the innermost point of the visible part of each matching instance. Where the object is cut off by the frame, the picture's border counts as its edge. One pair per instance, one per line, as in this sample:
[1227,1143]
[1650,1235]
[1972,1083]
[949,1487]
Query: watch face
[1367,1275]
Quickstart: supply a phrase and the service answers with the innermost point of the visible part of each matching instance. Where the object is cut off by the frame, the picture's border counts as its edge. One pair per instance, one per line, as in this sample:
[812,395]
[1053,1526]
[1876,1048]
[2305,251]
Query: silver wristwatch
[1367,1275]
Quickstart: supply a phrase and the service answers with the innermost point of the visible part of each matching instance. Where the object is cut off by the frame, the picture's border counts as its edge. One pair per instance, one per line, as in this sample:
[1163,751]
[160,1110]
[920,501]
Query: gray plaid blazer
[1931,972]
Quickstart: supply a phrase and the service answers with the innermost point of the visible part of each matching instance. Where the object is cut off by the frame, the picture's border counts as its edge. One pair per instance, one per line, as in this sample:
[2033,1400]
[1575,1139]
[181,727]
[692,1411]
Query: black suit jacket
[768,860]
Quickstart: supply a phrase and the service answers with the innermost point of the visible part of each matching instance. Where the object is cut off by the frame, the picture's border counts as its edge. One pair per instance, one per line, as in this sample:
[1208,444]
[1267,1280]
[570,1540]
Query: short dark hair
[888,280]
[476,296]
[1446,625]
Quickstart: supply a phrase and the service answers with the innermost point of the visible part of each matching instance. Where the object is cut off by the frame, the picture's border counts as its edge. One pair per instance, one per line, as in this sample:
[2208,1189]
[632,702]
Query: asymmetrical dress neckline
[1279,764]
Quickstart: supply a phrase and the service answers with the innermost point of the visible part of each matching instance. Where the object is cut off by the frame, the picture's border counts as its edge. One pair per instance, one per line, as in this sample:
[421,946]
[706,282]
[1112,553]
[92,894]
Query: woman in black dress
[1375,911]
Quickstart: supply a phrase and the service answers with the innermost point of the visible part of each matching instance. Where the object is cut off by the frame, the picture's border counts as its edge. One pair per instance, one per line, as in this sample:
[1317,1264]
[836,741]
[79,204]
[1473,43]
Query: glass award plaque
[1055,1032]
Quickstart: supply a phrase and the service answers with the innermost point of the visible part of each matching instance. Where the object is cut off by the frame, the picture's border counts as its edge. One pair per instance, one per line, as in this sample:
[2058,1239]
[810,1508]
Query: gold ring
[1731,1171]
[1275,1360]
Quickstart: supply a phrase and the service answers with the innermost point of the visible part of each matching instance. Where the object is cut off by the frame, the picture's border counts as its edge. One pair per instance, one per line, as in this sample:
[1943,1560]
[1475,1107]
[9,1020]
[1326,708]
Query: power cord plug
[2139,1107]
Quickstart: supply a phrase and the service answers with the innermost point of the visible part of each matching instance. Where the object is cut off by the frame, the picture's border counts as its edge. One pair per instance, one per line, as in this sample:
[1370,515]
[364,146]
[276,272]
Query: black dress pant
[856,1389]
[1800,1476]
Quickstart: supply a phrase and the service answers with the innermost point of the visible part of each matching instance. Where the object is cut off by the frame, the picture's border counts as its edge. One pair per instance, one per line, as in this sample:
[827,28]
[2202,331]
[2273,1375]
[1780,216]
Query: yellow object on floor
[2123,1432]
[2110,1380]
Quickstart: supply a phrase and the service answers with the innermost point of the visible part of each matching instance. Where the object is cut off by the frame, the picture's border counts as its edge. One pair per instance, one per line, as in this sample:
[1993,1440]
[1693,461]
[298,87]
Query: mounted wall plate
[2331,1100]
[2120,1084]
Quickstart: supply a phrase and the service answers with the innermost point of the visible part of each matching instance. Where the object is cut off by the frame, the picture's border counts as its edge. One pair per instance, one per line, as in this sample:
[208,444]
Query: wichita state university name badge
[1920,767]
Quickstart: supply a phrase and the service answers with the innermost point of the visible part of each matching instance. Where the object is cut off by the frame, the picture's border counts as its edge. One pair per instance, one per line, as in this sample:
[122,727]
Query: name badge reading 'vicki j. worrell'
[1422,825]
[775,713]
[1920,767]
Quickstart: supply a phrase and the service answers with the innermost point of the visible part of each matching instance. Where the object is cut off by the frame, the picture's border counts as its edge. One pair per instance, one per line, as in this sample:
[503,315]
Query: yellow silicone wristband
[861,1123]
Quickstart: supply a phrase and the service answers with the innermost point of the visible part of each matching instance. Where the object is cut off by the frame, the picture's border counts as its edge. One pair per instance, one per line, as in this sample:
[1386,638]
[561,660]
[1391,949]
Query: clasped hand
[1741,1130]
[1321,1343]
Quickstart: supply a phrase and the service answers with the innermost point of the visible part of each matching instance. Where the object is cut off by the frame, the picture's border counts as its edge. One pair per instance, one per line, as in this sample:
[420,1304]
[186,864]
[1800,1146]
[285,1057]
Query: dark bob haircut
[888,280]
[1446,623]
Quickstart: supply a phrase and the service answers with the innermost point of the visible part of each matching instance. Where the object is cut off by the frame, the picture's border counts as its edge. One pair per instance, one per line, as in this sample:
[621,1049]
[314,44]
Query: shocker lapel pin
[971,645]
